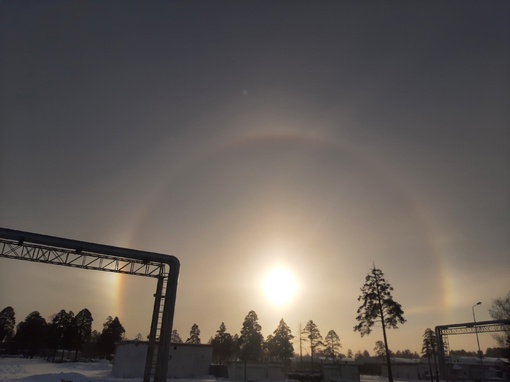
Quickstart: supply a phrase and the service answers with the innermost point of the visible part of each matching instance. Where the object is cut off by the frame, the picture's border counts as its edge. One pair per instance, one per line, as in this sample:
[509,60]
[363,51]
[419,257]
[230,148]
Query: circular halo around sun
[279,286]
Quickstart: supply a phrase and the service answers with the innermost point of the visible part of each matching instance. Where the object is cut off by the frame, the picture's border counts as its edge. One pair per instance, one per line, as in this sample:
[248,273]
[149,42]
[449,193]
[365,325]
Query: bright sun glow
[279,286]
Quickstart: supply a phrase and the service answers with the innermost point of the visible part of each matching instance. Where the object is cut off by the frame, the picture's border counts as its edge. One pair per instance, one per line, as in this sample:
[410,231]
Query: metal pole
[167,324]
[153,333]
[480,354]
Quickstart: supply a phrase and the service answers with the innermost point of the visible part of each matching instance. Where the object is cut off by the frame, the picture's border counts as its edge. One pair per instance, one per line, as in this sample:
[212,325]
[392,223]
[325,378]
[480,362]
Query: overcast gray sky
[319,137]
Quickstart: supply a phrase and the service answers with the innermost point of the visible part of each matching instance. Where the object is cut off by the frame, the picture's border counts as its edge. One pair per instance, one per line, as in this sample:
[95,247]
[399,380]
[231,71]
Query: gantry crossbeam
[79,254]
[472,328]
[79,259]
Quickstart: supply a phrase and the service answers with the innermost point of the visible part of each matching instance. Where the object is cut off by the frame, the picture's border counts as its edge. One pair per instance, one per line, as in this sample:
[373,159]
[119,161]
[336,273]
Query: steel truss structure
[78,254]
[443,331]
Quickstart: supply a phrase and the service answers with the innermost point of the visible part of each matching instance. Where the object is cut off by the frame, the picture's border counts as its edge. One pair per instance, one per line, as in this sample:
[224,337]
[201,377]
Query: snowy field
[38,370]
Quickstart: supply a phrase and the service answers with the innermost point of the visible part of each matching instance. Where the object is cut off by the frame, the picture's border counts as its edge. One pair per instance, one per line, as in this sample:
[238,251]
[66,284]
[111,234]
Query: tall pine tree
[378,306]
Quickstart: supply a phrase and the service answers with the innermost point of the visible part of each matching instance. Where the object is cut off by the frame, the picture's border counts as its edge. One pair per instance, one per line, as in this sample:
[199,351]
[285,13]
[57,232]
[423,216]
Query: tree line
[69,332]
[65,331]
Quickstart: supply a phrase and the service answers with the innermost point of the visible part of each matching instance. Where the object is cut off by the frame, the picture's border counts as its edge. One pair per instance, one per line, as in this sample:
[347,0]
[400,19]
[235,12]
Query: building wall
[402,369]
[255,370]
[186,360]
[340,372]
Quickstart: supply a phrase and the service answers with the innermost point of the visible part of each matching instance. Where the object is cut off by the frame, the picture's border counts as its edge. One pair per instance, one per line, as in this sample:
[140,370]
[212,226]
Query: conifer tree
[314,335]
[279,344]
[333,345]
[7,324]
[194,335]
[175,337]
[429,350]
[250,340]
[378,306]
[222,343]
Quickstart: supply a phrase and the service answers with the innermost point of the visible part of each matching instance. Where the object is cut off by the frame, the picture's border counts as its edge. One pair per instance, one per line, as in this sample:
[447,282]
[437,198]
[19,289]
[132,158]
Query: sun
[279,286]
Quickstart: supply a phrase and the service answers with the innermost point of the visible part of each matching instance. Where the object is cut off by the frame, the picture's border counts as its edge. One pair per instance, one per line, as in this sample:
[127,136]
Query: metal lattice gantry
[473,328]
[443,331]
[79,254]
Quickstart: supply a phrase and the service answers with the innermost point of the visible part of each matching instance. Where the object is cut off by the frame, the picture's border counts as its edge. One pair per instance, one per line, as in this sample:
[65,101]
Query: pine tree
[379,349]
[61,332]
[333,345]
[83,322]
[175,337]
[7,324]
[279,345]
[30,334]
[314,335]
[194,335]
[223,344]
[113,332]
[250,340]
[429,350]
[378,306]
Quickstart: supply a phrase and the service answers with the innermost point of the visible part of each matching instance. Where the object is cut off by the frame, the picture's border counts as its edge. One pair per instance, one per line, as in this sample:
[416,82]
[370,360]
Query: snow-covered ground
[38,370]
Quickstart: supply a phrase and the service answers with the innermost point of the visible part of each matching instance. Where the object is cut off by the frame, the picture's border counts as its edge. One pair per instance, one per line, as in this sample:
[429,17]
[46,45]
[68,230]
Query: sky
[319,138]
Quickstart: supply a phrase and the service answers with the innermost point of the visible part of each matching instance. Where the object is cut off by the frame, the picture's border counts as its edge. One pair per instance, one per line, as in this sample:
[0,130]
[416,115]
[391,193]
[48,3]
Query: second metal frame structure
[443,331]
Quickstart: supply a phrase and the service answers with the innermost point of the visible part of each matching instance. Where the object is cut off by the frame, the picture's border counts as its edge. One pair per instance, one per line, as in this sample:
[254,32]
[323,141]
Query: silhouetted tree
[7,324]
[250,340]
[314,335]
[406,353]
[500,310]
[300,341]
[236,345]
[378,306]
[194,335]
[222,344]
[61,333]
[83,324]
[113,332]
[279,345]
[495,352]
[379,349]
[429,350]
[332,344]
[462,353]
[349,353]
[30,334]
[175,337]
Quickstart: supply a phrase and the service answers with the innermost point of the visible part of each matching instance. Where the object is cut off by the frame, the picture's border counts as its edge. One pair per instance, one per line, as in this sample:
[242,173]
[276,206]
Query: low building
[403,368]
[185,360]
[457,368]
[474,368]
[343,370]
[255,371]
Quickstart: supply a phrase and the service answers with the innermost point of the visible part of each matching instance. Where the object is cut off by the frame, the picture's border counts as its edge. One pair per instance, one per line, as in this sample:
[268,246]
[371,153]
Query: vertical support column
[440,350]
[167,324]
[153,332]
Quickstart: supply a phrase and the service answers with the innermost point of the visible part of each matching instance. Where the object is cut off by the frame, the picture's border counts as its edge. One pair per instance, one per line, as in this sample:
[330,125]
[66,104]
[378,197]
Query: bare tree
[500,310]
